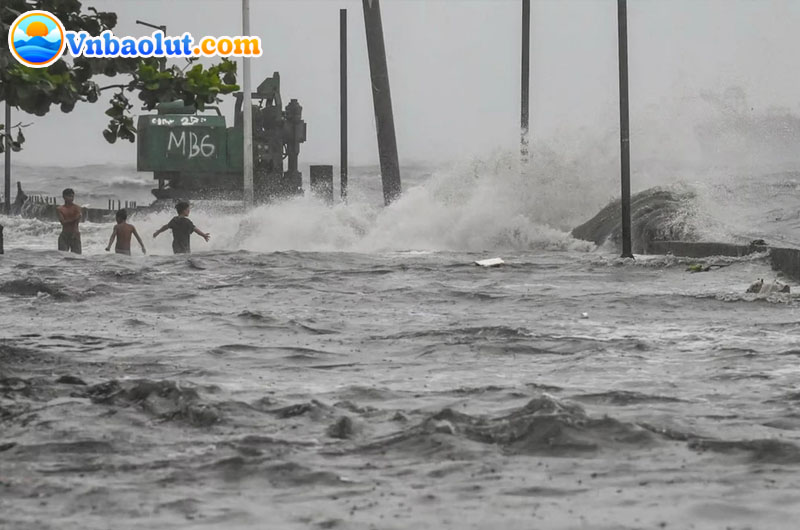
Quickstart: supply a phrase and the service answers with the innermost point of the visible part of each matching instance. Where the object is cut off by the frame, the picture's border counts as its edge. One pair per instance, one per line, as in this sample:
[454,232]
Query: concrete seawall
[785,260]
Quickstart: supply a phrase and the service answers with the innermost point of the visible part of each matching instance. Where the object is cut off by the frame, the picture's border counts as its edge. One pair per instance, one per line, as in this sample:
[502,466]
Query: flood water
[314,378]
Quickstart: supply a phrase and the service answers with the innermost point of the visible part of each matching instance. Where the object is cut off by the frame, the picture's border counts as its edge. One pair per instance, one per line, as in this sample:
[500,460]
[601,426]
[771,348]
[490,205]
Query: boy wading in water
[69,214]
[181,228]
[122,232]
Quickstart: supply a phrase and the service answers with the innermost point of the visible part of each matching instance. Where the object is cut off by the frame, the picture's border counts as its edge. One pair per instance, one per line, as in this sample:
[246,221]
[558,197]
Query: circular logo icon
[37,39]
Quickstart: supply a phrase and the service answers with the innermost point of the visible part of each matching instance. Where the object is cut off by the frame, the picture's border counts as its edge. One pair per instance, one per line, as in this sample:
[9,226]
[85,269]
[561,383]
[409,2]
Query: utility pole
[7,187]
[343,100]
[382,100]
[247,115]
[624,127]
[526,51]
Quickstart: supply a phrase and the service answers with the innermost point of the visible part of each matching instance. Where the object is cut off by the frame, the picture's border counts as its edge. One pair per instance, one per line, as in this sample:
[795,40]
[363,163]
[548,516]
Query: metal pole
[247,114]
[526,51]
[162,61]
[382,100]
[154,26]
[343,100]
[624,127]
[7,187]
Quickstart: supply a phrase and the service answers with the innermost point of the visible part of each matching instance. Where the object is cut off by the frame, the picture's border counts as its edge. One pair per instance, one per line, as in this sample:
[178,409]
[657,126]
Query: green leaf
[65,83]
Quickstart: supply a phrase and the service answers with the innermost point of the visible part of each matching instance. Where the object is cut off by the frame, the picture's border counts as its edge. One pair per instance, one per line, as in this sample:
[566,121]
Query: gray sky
[454,69]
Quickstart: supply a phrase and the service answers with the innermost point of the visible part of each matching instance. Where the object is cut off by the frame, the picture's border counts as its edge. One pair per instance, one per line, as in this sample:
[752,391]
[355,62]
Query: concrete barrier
[785,260]
[702,249]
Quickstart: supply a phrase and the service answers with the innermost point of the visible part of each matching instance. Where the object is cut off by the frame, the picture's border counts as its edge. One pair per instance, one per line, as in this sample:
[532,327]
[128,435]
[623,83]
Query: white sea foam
[474,206]
[488,202]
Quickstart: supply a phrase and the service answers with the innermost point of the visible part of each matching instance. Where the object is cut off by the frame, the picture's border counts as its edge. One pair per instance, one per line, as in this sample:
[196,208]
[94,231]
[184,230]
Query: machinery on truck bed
[196,156]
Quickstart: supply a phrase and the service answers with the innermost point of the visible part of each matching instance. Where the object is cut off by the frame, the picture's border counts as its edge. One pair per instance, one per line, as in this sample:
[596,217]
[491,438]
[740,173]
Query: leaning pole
[382,100]
[624,128]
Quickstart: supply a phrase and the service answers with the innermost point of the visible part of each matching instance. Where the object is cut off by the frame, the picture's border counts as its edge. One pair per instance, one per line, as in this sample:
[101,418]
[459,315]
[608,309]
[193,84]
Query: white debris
[492,262]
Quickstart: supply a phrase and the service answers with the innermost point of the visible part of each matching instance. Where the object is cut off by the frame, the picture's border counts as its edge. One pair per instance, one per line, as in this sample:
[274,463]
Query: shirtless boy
[122,232]
[69,214]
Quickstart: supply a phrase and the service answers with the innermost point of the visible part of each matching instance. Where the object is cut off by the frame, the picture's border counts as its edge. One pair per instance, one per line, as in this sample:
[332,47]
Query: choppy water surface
[394,390]
[349,367]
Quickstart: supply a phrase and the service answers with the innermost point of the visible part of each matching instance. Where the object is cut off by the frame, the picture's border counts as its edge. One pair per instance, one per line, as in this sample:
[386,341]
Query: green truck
[197,156]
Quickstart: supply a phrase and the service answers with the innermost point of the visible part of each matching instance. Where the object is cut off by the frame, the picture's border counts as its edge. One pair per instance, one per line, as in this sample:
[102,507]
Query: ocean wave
[123,181]
[623,397]
[481,205]
[473,206]
[32,287]
[656,214]
[165,400]
[771,298]
[768,451]
[544,426]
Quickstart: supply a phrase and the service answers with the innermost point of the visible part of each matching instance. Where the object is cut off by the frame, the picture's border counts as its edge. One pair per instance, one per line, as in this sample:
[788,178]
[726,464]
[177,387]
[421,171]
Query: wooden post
[624,127]
[343,101]
[526,52]
[382,100]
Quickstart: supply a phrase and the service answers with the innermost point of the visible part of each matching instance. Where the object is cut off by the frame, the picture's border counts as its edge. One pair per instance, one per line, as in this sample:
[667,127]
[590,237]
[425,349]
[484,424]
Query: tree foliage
[67,82]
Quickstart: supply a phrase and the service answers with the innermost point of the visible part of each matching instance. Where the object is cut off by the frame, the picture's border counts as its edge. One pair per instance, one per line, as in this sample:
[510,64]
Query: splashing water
[479,205]
[473,206]
[743,189]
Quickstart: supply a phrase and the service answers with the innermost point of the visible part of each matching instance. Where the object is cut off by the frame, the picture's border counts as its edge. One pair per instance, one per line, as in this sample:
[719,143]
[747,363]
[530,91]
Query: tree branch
[112,86]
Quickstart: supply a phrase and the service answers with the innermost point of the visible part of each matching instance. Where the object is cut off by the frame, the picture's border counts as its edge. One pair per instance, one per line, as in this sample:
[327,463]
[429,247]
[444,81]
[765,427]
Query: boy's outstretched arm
[139,239]
[162,229]
[201,233]
[113,237]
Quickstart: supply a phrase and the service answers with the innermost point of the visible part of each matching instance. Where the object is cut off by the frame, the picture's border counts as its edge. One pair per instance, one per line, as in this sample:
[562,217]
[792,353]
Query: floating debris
[492,262]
